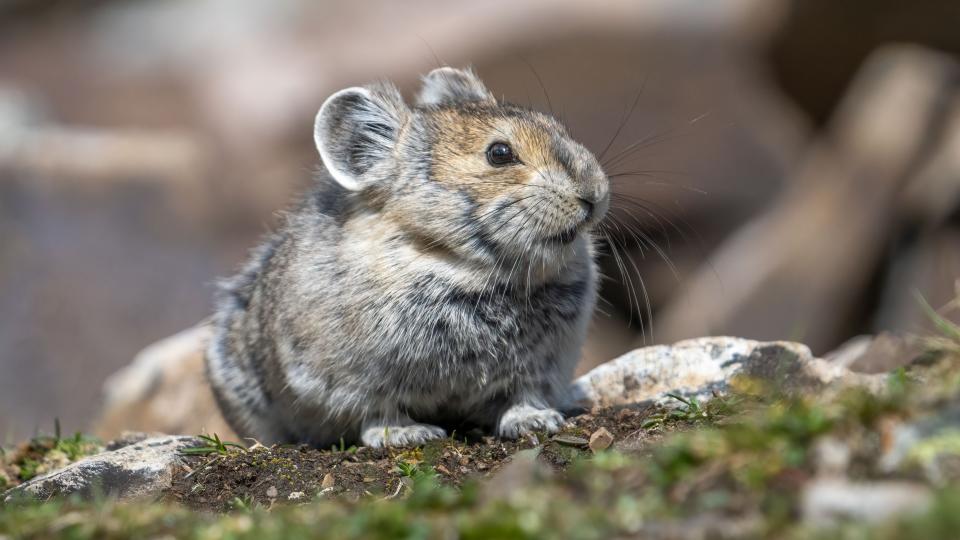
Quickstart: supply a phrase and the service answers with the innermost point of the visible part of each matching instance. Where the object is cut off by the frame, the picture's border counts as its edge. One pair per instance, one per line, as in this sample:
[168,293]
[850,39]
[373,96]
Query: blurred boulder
[818,45]
[830,229]
[829,501]
[163,390]
[875,354]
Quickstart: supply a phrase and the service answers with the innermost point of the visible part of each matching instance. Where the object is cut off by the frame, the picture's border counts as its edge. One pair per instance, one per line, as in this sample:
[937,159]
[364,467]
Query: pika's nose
[587,206]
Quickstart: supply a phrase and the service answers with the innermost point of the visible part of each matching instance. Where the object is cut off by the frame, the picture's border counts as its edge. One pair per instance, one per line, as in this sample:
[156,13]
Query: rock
[701,367]
[127,438]
[831,457]
[876,138]
[570,440]
[143,469]
[882,353]
[601,439]
[931,443]
[849,351]
[523,469]
[328,481]
[272,492]
[163,390]
[826,501]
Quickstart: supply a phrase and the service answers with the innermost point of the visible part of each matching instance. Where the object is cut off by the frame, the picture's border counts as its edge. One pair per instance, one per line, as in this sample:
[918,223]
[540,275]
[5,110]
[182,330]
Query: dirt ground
[289,474]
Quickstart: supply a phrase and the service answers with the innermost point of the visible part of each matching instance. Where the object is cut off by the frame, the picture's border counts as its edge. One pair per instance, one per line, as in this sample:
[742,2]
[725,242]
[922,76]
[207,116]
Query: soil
[291,474]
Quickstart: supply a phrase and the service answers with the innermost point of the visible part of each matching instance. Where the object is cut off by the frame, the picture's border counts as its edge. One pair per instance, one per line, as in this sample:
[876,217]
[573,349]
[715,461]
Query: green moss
[43,454]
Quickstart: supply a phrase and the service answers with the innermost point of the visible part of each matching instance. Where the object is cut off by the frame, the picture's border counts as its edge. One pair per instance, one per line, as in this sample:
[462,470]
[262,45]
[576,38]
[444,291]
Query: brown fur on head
[430,168]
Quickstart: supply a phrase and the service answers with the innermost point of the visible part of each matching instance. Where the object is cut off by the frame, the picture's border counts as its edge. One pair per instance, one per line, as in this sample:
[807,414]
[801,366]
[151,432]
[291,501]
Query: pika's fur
[434,278]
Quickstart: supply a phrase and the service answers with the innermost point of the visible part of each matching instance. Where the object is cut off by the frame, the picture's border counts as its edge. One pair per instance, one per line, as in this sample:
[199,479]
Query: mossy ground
[268,476]
[42,454]
[733,467]
[736,466]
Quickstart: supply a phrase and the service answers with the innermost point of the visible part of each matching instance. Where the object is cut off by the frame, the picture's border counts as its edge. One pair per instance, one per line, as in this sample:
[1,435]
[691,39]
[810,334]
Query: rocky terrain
[714,437]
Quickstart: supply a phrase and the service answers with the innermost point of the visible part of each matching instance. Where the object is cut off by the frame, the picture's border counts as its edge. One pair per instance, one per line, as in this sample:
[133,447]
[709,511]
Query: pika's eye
[500,154]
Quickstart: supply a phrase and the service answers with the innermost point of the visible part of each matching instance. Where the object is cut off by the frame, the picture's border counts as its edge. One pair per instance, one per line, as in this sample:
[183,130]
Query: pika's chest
[456,339]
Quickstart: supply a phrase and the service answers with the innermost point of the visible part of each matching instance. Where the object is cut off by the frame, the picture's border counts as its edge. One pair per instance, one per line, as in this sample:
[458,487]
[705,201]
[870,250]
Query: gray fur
[449,86]
[396,299]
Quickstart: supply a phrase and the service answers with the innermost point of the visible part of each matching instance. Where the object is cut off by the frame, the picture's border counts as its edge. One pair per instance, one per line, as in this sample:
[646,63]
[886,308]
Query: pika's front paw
[410,435]
[523,419]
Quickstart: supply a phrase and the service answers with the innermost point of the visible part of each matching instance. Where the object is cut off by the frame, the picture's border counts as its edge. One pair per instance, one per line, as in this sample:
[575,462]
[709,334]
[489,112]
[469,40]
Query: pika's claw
[410,435]
[523,419]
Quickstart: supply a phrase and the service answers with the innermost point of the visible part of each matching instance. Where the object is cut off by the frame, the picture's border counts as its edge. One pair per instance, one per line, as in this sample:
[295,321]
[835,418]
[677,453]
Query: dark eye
[499,154]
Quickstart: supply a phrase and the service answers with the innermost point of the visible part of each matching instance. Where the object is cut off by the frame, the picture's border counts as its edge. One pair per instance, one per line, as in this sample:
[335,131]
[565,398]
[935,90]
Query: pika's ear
[448,86]
[356,129]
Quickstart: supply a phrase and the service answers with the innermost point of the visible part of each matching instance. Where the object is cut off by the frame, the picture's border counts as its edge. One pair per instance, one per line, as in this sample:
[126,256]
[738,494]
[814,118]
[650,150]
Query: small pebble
[296,495]
[570,440]
[272,492]
[327,481]
[601,440]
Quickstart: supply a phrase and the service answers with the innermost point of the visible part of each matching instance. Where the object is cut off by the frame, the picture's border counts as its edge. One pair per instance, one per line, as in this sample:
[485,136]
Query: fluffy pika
[440,274]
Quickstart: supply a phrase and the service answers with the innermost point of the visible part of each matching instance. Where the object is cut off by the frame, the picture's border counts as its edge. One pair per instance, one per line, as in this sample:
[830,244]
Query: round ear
[356,129]
[449,86]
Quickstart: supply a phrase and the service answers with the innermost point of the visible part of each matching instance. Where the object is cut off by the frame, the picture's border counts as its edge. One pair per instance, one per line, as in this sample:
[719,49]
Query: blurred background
[790,170]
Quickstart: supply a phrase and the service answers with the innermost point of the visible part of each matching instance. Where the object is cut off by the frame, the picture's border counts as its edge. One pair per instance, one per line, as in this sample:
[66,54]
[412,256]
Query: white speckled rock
[700,367]
[826,501]
[139,470]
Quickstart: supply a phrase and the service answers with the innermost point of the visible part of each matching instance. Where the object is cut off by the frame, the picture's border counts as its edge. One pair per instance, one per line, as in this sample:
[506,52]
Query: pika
[441,273]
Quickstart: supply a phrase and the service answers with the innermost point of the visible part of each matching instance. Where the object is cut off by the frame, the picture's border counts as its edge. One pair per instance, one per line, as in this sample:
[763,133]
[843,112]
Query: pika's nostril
[587,207]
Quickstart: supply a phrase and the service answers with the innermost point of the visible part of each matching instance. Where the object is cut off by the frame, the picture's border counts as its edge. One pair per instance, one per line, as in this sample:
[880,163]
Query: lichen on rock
[139,470]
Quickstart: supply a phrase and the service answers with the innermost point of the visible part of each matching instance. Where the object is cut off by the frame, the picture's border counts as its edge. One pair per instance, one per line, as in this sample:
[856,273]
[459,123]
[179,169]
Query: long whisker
[500,259]
[643,143]
[653,139]
[656,181]
[477,219]
[436,58]
[623,122]
[656,247]
[543,87]
[659,222]
[632,298]
[648,172]
[658,212]
[643,288]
